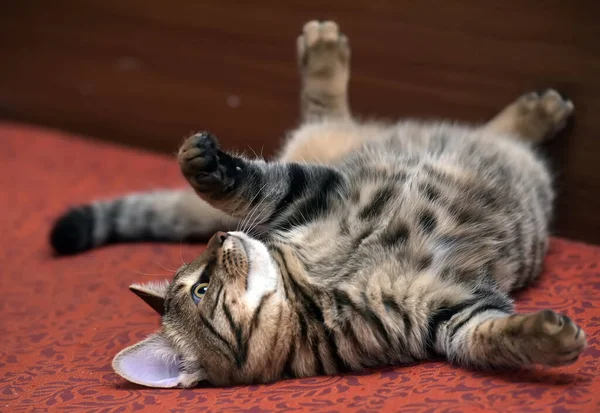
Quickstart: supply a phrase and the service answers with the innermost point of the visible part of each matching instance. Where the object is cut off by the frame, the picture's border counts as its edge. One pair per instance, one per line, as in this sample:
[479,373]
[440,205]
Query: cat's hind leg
[327,132]
[534,116]
[324,62]
[494,340]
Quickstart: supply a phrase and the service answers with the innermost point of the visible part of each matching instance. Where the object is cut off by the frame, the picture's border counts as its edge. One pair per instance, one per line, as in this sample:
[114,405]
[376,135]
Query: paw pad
[322,45]
[198,155]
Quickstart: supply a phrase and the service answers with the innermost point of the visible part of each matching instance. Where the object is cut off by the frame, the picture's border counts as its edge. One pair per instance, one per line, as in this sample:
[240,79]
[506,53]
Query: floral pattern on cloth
[63,319]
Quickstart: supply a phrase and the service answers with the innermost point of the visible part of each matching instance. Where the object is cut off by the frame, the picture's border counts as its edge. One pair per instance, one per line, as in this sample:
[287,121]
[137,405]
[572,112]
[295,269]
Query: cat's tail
[165,215]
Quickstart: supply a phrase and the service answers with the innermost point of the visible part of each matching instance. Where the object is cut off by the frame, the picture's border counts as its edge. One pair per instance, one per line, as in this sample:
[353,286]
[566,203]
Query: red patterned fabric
[62,320]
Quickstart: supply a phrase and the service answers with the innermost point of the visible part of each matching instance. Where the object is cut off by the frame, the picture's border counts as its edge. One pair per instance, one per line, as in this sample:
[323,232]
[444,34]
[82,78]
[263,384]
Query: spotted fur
[364,244]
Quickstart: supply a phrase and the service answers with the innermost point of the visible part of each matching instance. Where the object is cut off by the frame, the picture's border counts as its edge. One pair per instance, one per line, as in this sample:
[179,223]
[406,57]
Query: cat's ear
[153,293]
[153,363]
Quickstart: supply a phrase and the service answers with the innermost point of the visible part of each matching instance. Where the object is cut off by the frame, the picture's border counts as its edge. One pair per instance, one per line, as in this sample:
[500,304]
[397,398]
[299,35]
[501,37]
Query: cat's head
[220,318]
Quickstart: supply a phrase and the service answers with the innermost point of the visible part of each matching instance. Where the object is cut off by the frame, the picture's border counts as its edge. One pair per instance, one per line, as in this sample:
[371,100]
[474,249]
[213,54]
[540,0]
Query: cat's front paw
[199,161]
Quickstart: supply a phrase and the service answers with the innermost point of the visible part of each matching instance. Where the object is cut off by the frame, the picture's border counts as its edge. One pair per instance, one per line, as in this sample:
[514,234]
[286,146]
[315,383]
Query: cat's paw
[551,339]
[323,51]
[542,115]
[199,160]
[187,380]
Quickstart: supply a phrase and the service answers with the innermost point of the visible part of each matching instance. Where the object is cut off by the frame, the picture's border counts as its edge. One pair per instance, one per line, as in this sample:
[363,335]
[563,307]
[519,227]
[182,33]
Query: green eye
[198,291]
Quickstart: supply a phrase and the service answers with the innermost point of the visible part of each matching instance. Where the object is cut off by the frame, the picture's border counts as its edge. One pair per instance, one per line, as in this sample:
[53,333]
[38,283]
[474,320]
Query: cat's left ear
[153,294]
[154,363]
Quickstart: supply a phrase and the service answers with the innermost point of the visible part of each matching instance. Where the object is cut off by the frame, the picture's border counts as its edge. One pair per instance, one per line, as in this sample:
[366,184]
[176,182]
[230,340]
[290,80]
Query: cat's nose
[217,240]
[221,237]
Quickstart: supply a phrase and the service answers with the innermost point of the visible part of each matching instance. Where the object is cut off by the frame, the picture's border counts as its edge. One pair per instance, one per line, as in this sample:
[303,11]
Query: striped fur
[365,244]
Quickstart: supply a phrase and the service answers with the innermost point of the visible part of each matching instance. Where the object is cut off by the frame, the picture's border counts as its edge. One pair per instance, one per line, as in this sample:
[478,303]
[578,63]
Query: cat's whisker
[253,210]
[255,215]
[173,270]
[251,218]
[257,219]
[181,251]
[241,225]
[151,274]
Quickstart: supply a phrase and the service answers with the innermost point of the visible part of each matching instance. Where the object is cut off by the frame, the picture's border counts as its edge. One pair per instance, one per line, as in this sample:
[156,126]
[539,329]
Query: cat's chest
[339,244]
[382,223]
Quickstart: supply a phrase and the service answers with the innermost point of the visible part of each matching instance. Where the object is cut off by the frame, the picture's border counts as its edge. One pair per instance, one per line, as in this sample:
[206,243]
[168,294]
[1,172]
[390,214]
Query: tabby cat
[363,245]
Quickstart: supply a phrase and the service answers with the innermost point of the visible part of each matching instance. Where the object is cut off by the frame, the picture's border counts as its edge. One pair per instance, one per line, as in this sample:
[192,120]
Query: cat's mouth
[235,243]
[236,254]
[244,248]
[259,267]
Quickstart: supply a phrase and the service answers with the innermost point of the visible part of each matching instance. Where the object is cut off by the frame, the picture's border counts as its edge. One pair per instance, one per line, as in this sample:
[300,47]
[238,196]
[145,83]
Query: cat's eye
[198,291]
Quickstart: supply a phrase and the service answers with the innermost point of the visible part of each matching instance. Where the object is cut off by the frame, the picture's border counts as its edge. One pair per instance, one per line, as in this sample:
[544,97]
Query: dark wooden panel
[147,73]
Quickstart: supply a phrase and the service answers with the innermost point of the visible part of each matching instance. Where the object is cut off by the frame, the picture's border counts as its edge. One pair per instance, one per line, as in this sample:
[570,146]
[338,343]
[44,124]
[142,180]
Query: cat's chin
[263,273]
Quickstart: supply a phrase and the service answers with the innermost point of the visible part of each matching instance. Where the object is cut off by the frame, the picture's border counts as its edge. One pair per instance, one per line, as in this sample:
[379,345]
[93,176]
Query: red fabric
[62,320]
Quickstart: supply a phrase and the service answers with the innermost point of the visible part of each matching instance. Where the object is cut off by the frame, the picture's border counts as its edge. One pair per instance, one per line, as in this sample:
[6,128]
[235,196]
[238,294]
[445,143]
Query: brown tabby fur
[377,244]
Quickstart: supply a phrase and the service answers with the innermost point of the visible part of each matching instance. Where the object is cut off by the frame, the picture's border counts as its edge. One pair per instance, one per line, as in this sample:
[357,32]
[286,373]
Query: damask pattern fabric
[63,319]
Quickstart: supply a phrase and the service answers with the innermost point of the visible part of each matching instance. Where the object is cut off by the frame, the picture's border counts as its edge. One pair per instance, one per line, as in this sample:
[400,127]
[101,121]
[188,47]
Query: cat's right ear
[153,294]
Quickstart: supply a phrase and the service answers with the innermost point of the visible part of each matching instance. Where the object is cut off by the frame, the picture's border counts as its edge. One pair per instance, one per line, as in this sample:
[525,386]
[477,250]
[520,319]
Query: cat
[362,245]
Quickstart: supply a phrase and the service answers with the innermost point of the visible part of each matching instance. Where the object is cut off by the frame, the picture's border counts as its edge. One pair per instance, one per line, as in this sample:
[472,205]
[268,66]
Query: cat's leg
[327,132]
[493,339]
[260,192]
[163,215]
[533,117]
[324,61]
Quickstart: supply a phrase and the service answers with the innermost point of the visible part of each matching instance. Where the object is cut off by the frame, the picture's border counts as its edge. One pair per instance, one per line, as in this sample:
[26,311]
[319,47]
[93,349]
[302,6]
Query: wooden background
[148,72]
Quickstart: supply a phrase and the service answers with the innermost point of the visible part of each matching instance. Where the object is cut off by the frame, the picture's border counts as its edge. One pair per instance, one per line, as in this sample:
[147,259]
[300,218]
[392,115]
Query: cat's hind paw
[323,51]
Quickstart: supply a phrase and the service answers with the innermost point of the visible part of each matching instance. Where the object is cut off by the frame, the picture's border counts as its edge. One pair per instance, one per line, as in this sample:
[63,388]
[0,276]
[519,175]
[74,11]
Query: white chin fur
[262,277]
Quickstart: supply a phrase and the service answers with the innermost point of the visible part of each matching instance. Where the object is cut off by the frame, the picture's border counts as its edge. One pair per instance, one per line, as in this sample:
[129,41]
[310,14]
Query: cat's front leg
[266,191]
